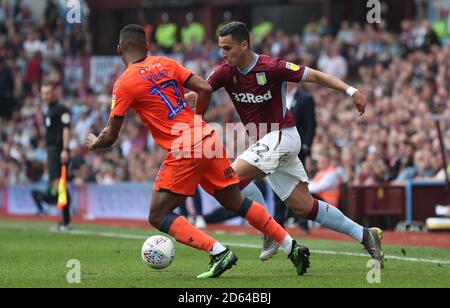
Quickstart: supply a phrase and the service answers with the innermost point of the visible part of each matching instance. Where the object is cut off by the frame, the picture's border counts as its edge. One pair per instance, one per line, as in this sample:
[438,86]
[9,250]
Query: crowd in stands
[406,77]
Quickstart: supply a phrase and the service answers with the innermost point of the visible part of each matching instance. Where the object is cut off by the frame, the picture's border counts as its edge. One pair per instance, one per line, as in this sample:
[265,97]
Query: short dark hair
[238,31]
[48,83]
[133,38]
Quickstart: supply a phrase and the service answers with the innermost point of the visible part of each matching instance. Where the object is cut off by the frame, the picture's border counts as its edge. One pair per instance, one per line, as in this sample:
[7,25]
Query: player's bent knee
[300,210]
[302,205]
[308,202]
[302,213]
[155,220]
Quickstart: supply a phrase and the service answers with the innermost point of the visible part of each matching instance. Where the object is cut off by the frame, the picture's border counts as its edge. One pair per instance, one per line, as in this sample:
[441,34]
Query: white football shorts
[276,154]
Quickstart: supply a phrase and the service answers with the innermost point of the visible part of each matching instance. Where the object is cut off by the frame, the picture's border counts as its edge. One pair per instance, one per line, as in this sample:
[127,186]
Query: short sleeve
[66,118]
[216,79]
[183,74]
[121,100]
[287,71]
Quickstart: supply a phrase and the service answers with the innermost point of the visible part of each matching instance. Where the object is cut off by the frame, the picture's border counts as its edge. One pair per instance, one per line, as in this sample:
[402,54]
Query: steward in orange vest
[327,182]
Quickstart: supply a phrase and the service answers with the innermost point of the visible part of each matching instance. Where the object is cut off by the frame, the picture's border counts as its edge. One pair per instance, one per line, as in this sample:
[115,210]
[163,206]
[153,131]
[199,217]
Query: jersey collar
[252,66]
[140,60]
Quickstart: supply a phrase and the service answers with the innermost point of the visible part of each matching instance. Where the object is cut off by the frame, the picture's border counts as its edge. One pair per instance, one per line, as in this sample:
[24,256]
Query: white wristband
[351,91]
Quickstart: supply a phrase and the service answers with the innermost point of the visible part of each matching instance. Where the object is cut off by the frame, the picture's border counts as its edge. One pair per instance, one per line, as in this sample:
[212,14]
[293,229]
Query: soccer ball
[158,252]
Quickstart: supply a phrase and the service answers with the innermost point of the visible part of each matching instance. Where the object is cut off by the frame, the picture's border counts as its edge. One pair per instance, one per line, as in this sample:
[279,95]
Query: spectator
[33,44]
[346,34]
[327,182]
[311,33]
[166,34]
[302,105]
[262,29]
[51,49]
[440,26]
[33,73]
[193,32]
[7,101]
[51,14]
[333,63]
[408,169]
[227,18]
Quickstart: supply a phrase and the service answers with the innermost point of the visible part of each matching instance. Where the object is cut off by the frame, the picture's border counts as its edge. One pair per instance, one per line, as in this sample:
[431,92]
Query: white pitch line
[253,246]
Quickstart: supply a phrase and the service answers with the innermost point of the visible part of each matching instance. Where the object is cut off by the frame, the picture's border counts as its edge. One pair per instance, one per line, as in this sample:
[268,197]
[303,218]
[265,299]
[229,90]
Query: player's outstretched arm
[107,137]
[204,92]
[329,81]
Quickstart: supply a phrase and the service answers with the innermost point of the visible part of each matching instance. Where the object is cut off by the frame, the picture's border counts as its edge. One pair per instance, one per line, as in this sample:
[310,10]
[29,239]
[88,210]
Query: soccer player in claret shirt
[257,87]
[153,87]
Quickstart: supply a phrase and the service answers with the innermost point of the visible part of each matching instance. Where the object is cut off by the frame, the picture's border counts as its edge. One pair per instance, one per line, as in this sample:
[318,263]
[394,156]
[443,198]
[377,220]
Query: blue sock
[332,218]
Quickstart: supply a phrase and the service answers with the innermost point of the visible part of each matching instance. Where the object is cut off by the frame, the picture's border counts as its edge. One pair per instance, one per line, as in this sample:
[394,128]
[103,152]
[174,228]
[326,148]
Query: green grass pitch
[33,256]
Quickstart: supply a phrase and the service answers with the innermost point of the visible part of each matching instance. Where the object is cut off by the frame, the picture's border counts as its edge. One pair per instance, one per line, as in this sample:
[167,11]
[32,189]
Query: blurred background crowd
[405,75]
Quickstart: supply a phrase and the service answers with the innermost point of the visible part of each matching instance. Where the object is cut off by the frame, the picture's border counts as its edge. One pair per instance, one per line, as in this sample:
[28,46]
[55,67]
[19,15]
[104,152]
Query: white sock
[286,245]
[332,218]
[217,249]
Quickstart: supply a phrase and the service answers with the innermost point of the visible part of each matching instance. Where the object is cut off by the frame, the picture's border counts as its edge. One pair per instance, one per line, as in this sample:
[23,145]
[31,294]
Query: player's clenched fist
[360,102]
